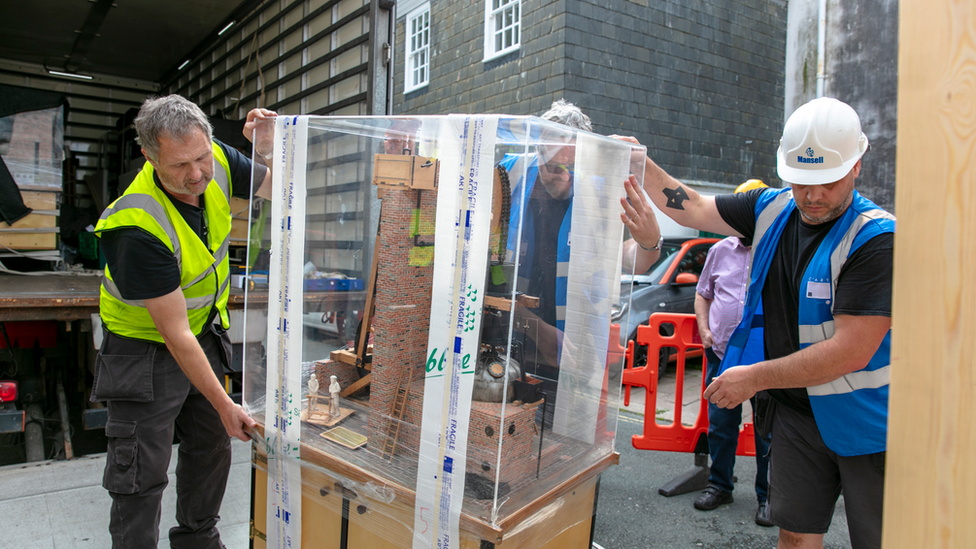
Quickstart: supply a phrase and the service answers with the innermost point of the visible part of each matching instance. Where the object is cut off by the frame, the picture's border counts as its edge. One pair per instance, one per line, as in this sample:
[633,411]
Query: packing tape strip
[460,264]
[284,366]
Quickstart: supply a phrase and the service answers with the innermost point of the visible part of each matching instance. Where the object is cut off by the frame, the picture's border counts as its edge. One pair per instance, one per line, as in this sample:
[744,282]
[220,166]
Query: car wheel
[664,357]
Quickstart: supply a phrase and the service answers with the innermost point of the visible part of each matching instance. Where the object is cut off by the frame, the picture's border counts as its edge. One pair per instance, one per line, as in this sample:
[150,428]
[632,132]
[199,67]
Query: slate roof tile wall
[699,82]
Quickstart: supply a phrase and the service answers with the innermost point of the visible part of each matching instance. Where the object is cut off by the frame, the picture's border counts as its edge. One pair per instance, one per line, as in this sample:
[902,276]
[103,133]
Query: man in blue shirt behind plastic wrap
[542,201]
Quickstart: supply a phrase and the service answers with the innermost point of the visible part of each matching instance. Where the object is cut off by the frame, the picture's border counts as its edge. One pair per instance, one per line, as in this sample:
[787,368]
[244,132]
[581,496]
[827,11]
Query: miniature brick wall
[345,374]
[409,442]
[518,451]
[402,317]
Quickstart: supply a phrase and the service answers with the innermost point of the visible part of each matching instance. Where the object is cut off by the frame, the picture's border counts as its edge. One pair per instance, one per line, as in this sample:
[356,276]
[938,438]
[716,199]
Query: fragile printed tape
[284,367]
[460,266]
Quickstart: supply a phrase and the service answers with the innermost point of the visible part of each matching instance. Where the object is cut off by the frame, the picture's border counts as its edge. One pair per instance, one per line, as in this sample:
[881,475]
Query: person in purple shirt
[721,293]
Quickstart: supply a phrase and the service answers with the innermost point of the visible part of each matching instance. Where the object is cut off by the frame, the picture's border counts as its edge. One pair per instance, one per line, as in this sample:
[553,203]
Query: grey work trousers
[149,398]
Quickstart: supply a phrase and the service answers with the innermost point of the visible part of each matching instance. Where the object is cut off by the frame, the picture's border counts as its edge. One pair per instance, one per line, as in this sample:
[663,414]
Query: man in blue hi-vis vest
[815,336]
[542,204]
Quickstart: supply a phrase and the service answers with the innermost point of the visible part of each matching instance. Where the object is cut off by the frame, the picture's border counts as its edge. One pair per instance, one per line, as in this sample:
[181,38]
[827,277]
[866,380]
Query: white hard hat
[821,142]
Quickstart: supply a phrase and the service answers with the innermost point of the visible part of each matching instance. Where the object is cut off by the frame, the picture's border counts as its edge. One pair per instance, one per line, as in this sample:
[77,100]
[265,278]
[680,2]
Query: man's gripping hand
[260,132]
[236,420]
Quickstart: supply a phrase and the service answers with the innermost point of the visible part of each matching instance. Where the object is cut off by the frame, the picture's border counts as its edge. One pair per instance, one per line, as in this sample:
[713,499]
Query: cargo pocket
[122,460]
[763,409]
[226,351]
[123,378]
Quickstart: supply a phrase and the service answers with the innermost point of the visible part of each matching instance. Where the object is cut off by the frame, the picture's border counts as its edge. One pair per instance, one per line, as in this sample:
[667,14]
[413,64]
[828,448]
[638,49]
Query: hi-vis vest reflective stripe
[516,165]
[203,269]
[851,411]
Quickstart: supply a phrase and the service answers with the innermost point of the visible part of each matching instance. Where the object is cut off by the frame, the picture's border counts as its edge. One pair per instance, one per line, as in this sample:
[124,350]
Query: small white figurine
[334,389]
[313,389]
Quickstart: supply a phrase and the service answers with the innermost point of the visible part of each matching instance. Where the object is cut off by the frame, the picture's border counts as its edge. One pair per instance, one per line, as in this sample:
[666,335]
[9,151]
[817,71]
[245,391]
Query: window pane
[418,42]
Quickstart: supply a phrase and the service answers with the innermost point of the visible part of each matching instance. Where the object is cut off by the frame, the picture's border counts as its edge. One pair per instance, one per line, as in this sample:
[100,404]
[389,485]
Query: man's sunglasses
[558,169]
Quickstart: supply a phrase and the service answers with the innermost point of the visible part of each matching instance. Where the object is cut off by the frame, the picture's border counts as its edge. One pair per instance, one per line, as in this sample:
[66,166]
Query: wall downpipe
[821,47]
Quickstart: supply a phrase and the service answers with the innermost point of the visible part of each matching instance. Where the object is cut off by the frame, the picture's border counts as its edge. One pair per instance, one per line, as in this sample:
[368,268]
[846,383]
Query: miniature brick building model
[403,294]
[402,316]
[519,458]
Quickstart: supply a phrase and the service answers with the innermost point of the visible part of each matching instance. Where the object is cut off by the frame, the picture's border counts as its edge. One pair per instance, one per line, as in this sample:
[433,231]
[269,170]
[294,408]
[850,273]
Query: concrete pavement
[62,505]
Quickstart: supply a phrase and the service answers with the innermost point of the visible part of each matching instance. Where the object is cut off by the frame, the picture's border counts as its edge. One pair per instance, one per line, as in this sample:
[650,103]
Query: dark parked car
[668,287]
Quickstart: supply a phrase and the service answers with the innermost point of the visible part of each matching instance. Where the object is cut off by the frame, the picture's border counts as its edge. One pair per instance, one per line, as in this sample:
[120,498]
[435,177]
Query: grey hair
[568,114]
[171,116]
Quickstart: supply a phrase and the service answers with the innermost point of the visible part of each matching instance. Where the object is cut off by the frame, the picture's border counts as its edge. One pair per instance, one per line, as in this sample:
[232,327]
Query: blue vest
[519,210]
[851,411]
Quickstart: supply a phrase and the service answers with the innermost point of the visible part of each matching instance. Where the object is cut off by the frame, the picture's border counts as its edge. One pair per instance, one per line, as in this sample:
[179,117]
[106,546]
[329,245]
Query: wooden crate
[39,230]
[559,518]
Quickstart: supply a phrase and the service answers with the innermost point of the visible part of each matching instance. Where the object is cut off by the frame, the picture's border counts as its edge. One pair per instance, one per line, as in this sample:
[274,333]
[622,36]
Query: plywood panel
[930,476]
[30,239]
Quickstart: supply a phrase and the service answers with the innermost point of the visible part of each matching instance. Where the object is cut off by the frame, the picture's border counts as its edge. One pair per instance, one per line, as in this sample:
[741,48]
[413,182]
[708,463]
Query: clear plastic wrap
[457,322]
[32,147]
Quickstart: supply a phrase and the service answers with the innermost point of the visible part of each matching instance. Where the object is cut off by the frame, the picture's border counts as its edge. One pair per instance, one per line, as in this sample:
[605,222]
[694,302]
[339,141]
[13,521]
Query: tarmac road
[632,515]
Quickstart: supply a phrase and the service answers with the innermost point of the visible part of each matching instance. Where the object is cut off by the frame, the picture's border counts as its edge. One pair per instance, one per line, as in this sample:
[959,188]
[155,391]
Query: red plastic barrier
[673,437]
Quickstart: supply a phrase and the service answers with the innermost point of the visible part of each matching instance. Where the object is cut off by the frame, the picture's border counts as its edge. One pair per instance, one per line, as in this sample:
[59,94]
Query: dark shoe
[711,497]
[762,515]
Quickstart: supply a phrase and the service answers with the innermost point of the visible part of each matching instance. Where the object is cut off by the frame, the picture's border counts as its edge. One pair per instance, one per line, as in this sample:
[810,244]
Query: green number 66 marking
[433,363]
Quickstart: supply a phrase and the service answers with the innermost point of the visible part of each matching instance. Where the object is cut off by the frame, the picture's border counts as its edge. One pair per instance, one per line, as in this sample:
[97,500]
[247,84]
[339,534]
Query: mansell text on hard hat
[822,140]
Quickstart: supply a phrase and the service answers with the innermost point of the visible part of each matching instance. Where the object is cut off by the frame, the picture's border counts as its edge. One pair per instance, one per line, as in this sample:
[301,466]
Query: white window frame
[416,73]
[497,29]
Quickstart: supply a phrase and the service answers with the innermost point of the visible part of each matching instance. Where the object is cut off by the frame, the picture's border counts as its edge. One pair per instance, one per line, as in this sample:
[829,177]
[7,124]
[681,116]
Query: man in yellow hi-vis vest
[164,310]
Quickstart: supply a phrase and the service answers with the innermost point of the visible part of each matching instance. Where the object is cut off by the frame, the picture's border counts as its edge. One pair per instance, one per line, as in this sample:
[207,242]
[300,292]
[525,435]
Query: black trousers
[149,398]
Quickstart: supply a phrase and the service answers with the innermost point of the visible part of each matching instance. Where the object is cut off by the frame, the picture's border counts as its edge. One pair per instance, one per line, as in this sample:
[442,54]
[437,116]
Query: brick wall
[699,82]
[402,316]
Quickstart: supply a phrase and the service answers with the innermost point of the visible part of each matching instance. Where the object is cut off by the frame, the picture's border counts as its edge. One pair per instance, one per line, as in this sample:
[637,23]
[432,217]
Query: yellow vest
[203,269]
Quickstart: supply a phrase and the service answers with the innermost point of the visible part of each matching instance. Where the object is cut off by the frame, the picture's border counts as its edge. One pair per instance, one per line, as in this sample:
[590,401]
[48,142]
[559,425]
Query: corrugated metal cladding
[93,117]
[306,57]
[295,57]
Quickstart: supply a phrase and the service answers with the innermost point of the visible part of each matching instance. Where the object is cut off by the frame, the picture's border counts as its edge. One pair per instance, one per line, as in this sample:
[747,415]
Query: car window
[694,261]
[663,262]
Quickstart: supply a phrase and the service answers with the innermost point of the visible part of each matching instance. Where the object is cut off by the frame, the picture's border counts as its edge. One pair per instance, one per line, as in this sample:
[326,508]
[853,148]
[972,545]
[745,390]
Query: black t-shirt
[142,266]
[548,214]
[863,288]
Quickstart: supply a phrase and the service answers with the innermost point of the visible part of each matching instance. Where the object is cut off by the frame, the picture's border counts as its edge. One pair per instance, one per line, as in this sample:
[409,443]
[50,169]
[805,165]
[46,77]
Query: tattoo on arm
[676,197]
